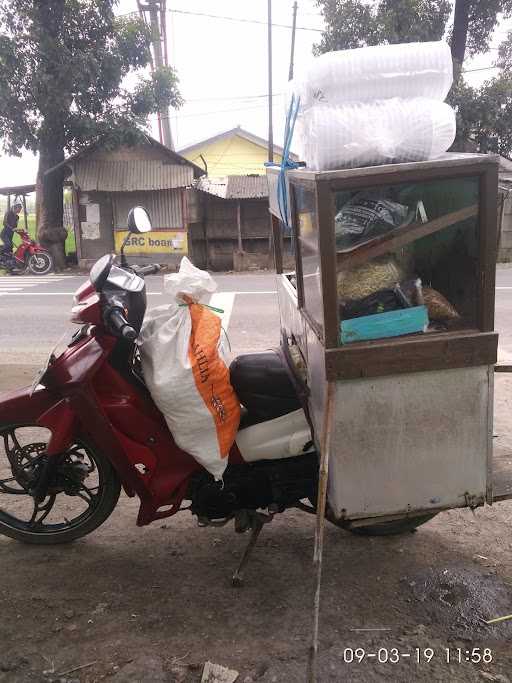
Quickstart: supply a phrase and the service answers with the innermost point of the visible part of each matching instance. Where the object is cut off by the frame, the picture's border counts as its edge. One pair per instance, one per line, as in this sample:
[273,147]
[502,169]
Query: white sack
[387,131]
[164,345]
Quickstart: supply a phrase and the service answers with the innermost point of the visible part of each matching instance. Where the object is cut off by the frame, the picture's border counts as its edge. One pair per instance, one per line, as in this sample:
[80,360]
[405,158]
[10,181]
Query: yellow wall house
[235,152]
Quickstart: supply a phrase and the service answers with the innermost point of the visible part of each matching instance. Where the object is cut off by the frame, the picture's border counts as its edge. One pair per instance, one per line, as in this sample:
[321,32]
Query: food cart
[401,399]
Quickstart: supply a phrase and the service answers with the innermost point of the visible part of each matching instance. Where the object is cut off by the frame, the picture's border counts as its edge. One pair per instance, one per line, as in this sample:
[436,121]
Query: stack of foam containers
[375,105]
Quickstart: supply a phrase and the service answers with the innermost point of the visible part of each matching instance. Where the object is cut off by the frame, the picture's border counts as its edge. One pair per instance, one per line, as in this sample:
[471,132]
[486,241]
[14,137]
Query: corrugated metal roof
[128,176]
[165,208]
[235,186]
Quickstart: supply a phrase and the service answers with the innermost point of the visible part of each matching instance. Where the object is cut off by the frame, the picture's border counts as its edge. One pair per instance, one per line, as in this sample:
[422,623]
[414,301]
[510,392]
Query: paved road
[34,312]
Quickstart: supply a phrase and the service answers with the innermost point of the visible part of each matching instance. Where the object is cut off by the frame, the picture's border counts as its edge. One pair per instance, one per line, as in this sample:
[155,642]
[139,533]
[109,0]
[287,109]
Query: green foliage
[62,68]
[483,19]
[484,115]
[355,23]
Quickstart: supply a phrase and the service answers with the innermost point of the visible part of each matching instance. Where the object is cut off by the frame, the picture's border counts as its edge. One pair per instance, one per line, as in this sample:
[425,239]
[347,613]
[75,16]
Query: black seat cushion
[263,385]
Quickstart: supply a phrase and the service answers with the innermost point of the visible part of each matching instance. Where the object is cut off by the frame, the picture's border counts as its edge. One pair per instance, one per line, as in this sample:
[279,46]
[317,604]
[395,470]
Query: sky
[223,68]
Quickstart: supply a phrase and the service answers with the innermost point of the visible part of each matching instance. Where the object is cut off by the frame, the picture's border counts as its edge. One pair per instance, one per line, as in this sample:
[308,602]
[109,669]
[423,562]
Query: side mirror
[138,223]
[139,220]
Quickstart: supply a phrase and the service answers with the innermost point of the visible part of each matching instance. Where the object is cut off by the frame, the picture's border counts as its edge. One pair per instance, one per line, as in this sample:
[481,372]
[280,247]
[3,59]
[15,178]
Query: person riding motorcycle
[11,219]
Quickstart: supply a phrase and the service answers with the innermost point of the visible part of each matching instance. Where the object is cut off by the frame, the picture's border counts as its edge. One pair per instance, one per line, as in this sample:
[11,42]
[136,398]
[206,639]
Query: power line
[240,20]
[219,111]
[235,97]
[482,68]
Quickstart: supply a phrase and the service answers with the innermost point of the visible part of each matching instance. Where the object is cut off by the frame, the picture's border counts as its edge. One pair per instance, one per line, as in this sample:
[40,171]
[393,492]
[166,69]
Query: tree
[484,115]
[62,68]
[355,23]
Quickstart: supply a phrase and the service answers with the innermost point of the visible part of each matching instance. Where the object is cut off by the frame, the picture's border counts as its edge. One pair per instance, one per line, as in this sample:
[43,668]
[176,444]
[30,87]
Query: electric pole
[157,17]
[270,127]
[292,53]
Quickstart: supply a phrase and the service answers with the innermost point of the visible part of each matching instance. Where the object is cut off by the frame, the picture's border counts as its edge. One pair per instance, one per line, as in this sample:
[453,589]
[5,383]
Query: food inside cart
[408,252]
[407,257]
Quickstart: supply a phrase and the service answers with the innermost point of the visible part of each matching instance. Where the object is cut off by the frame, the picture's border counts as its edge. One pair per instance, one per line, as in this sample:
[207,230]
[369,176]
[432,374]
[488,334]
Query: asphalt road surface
[34,312]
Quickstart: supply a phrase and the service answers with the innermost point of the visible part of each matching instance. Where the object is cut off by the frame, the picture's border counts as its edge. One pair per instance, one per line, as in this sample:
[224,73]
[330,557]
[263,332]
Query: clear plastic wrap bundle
[377,73]
[368,134]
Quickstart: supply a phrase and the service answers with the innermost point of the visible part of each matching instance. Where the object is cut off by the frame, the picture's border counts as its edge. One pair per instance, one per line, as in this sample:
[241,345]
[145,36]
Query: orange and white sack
[184,367]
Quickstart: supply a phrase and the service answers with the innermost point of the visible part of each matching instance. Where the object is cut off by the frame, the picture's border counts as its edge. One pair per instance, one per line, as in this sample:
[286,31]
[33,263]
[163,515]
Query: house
[234,233]
[108,182]
[235,152]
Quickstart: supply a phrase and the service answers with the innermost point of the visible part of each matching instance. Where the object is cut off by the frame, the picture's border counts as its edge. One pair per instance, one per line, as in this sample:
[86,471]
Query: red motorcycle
[88,427]
[29,256]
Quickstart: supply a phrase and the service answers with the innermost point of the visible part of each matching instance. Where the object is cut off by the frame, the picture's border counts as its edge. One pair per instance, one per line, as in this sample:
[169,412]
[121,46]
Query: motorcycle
[29,256]
[88,428]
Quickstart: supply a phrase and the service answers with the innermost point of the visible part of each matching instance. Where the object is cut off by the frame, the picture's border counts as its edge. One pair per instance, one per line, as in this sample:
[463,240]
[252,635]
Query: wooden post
[75,203]
[24,202]
[325,447]
[277,240]
[239,225]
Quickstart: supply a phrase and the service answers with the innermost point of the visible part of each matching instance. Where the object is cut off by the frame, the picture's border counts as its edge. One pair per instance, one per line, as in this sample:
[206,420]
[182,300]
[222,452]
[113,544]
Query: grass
[70,244]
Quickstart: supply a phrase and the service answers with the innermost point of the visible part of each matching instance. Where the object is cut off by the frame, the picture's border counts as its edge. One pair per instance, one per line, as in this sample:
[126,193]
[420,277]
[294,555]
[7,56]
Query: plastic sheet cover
[375,105]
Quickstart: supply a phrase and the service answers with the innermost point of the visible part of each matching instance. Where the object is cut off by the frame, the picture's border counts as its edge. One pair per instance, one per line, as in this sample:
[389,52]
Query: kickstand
[257,522]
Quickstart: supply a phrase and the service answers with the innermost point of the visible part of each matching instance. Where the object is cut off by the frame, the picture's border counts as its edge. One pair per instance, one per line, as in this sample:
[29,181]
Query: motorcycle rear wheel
[40,263]
[85,479]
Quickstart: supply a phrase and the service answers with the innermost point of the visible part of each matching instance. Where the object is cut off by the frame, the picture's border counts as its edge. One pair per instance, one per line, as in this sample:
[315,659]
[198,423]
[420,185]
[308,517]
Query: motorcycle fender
[22,407]
[60,419]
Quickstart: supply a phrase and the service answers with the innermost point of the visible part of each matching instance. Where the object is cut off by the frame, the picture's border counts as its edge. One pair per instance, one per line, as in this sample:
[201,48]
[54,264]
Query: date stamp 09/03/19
[418,655]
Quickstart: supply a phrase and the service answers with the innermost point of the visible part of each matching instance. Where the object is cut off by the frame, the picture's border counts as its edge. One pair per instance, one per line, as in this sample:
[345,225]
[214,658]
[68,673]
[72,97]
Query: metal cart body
[413,415]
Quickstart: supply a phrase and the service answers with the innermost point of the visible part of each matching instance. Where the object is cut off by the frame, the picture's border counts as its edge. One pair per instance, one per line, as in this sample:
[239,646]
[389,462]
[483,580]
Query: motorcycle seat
[263,386]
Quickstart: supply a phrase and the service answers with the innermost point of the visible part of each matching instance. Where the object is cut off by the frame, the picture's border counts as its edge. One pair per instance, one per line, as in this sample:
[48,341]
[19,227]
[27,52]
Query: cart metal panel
[418,441]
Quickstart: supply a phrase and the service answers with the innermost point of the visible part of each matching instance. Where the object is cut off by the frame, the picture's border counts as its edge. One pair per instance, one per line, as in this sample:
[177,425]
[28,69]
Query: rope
[286,162]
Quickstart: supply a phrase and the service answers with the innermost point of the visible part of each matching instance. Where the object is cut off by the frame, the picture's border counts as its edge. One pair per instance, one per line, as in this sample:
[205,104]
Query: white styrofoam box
[369,134]
[378,72]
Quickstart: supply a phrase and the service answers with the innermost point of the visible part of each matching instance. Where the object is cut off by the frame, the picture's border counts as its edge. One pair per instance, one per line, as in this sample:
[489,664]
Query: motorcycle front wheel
[40,263]
[82,492]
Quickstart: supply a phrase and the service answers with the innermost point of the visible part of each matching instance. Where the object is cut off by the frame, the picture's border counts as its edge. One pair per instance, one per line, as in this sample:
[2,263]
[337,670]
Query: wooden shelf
[413,353]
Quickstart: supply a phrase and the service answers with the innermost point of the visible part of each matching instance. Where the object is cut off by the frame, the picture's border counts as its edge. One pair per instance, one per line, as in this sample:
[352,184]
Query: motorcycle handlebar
[147,270]
[120,324]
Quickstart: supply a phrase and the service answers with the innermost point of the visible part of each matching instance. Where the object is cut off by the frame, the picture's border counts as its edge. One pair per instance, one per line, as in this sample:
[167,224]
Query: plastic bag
[439,308]
[184,368]
[369,134]
[367,215]
[402,295]
[378,72]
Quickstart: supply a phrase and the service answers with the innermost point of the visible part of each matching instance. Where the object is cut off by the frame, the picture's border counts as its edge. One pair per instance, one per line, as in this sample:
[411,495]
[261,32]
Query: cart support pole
[325,446]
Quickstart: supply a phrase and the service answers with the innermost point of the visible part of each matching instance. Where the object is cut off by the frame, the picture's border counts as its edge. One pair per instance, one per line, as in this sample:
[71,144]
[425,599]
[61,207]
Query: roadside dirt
[153,604]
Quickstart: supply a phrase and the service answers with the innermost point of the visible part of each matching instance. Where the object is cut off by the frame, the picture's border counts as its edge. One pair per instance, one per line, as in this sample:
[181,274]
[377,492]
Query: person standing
[11,219]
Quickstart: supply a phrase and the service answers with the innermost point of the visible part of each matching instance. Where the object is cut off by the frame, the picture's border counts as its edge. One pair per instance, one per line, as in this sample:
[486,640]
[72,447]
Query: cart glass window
[407,258]
[308,246]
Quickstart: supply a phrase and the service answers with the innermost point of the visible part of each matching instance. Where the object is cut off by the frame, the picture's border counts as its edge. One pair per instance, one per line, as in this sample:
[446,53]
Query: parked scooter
[88,427]
[29,256]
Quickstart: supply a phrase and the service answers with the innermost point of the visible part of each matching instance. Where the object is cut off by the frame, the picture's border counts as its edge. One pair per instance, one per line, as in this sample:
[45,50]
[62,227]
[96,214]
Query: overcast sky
[222,66]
